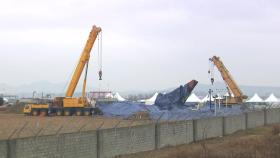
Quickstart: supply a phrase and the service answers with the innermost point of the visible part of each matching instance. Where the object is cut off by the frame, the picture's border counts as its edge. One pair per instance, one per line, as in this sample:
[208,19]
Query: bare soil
[14,125]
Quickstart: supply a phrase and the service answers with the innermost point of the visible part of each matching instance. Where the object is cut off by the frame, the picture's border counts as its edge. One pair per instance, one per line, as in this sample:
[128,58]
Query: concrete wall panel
[175,133]
[3,149]
[66,145]
[208,128]
[255,119]
[272,116]
[82,145]
[234,123]
[126,140]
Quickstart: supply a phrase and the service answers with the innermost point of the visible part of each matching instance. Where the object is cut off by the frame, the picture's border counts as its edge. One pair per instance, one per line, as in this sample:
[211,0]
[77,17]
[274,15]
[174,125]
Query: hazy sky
[146,44]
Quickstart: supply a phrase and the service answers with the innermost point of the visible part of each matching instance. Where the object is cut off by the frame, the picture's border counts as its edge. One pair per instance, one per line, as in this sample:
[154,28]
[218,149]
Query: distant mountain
[4,87]
[42,86]
[39,87]
[264,91]
[201,89]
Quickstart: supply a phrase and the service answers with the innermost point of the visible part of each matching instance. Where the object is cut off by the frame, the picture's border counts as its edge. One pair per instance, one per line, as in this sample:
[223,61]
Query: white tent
[109,95]
[227,94]
[219,97]
[141,101]
[193,99]
[118,97]
[6,100]
[152,100]
[272,99]
[207,98]
[255,99]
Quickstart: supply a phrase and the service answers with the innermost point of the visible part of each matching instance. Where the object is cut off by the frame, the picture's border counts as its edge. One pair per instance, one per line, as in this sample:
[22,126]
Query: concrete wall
[272,116]
[234,123]
[107,143]
[66,145]
[3,149]
[126,140]
[175,133]
[83,145]
[208,128]
[255,119]
[35,147]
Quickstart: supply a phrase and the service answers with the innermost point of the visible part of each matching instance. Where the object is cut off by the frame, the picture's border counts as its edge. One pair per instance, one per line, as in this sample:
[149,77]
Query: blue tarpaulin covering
[178,112]
[122,109]
[168,106]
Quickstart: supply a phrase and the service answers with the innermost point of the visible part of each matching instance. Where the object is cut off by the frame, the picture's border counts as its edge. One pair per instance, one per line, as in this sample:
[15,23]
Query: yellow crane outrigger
[69,105]
[235,94]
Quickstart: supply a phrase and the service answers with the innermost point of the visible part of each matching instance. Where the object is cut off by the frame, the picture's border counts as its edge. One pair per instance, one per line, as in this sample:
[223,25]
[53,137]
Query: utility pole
[210,97]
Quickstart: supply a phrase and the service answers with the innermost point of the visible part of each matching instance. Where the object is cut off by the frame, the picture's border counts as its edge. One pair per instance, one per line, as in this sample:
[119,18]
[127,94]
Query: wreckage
[164,103]
[176,97]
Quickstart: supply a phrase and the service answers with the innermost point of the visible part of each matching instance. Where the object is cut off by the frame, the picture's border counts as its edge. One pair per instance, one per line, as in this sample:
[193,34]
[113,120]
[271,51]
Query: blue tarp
[168,106]
[125,109]
[178,112]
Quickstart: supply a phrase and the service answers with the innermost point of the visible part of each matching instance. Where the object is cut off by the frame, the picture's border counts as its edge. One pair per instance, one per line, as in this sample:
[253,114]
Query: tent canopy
[207,98]
[227,94]
[193,99]
[6,100]
[118,97]
[151,100]
[110,95]
[219,97]
[272,99]
[255,99]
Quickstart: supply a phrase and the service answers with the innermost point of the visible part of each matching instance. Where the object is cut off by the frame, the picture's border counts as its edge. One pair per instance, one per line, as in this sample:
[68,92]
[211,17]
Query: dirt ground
[18,125]
[263,142]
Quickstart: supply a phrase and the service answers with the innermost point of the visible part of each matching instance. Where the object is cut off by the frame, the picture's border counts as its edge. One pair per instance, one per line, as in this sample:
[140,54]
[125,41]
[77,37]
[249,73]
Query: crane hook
[212,80]
[100,74]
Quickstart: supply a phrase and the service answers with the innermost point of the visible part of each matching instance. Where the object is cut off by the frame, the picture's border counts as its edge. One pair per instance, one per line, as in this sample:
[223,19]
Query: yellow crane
[235,94]
[69,105]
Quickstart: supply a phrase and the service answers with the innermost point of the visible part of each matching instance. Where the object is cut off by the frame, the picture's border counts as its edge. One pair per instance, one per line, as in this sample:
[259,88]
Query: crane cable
[211,71]
[101,51]
[100,55]
[99,60]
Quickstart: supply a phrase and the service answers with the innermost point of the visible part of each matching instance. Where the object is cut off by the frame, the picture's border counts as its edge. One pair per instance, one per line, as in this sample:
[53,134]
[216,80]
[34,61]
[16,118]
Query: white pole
[226,101]
[215,109]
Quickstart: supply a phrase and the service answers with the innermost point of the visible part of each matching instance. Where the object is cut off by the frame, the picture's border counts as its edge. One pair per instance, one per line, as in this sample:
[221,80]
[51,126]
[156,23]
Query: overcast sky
[146,44]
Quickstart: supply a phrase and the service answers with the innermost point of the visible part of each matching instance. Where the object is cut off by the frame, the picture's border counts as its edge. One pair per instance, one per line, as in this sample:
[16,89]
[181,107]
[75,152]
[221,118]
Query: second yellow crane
[236,96]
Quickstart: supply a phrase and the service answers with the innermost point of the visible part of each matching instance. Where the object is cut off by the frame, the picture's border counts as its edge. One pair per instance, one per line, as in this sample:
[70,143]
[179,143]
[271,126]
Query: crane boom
[228,78]
[83,61]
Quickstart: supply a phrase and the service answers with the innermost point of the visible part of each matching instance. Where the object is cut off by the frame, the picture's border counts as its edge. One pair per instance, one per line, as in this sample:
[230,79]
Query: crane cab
[36,109]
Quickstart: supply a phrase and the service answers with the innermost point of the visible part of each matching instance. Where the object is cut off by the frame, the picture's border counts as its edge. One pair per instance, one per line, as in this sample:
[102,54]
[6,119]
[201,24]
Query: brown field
[18,125]
[263,142]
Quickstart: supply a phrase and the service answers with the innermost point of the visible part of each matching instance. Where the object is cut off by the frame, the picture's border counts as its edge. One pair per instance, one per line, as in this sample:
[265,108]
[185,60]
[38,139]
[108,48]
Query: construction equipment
[235,94]
[69,105]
